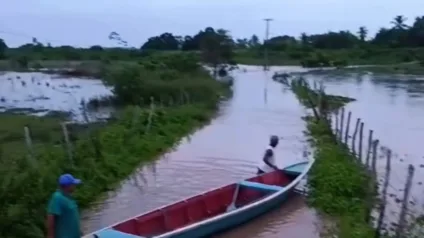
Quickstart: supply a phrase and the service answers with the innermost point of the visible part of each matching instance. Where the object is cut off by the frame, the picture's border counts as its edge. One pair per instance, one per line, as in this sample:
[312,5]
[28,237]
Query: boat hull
[214,211]
[233,220]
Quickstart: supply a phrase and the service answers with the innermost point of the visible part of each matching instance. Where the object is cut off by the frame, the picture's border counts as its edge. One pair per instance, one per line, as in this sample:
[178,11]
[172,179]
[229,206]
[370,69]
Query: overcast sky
[89,22]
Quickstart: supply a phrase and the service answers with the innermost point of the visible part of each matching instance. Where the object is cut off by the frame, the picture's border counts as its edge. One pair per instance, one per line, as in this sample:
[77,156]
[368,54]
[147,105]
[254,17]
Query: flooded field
[39,94]
[392,106]
[229,149]
[226,151]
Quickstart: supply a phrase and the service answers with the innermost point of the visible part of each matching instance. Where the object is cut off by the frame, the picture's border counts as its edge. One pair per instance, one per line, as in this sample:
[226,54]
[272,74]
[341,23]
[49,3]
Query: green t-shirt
[65,209]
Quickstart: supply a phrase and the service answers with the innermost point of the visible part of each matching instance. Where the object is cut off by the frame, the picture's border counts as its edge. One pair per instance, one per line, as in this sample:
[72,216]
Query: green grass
[338,182]
[186,97]
[26,185]
[257,58]
[357,56]
[290,56]
[413,68]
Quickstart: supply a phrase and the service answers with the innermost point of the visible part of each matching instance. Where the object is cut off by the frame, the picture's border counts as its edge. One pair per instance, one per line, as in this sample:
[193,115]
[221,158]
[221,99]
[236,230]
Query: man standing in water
[268,161]
[62,212]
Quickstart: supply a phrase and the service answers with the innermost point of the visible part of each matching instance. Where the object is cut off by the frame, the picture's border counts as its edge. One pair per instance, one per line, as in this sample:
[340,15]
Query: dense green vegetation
[119,148]
[411,68]
[213,48]
[397,44]
[161,99]
[338,182]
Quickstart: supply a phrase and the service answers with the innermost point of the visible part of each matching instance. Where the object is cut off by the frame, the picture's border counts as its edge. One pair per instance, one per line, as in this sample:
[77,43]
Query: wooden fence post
[402,217]
[28,142]
[374,156]
[347,127]
[151,112]
[68,143]
[187,97]
[384,195]
[181,97]
[372,184]
[361,135]
[136,116]
[319,103]
[354,135]
[85,111]
[341,124]
[160,103]
[337,124]
[171,102]
[369,149]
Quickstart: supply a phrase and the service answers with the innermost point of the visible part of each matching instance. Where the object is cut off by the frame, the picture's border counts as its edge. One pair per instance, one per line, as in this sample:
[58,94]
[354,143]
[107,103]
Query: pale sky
[89,22]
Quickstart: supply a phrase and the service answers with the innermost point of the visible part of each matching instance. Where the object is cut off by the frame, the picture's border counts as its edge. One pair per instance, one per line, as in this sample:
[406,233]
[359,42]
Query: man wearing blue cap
[62,212]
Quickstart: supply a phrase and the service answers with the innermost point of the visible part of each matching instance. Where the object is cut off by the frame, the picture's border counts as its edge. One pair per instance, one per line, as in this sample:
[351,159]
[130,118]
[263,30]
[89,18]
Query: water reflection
[226,151]
[296,220]
[39,94]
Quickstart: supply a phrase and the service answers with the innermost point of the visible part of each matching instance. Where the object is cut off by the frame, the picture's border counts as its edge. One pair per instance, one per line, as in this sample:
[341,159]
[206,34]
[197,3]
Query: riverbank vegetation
[159,99]
[101,159]
[410,68]
[338,182]
[392,45]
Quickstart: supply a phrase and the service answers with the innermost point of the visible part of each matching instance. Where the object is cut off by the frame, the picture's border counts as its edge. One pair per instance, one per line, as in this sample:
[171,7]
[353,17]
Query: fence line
[384,194]
[184,99]
[356,147]
[384,224]
[370,163]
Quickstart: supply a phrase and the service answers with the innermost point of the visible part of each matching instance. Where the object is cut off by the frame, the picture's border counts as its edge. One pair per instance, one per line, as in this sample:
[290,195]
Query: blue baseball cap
[68,179]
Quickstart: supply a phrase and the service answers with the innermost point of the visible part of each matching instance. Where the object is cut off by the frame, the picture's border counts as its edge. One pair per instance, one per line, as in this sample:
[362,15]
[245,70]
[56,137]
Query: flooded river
[229,149]
[226,151]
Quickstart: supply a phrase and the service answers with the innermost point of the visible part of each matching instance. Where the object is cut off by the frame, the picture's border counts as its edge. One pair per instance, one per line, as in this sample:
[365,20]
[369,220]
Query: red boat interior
[204,206]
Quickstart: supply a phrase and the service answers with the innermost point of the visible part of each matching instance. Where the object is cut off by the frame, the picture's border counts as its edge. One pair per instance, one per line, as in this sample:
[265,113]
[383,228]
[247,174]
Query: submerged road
[225,151]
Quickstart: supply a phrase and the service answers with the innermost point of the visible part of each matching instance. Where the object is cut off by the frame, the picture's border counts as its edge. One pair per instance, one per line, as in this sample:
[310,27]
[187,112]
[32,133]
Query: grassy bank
[389,61]
[338,182]
[342,57]
[116,151]
[186,97]
[412,68]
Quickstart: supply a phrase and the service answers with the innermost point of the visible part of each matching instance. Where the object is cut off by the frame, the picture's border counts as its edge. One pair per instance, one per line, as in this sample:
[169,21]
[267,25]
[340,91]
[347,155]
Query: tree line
[217,46]
[399,35]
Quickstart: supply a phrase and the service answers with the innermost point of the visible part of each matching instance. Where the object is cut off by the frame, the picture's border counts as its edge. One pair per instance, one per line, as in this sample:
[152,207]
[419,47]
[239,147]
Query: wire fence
[397,211]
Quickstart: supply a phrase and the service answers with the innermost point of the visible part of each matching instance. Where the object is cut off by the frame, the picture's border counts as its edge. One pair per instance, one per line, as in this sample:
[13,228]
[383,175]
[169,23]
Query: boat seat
[111,233]
[260,186]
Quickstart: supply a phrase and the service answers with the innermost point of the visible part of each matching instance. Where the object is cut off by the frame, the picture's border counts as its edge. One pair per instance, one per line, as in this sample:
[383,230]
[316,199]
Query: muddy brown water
[223,152]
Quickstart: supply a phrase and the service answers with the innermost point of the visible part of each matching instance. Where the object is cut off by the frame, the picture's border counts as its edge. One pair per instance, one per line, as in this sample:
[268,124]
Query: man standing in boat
[62,212]
[268,161]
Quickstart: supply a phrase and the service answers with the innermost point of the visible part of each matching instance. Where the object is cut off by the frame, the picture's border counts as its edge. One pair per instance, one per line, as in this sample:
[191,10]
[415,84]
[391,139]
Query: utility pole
[267,20]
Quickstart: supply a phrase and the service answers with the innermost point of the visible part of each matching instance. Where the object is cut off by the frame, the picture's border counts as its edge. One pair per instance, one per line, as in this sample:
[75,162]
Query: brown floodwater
[223,152]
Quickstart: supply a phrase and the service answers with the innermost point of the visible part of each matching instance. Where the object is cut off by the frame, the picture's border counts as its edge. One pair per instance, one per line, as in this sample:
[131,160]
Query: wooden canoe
[209,213]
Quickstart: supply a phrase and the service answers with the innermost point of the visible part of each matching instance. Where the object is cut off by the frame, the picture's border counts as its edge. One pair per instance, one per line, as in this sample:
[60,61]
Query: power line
[267,21]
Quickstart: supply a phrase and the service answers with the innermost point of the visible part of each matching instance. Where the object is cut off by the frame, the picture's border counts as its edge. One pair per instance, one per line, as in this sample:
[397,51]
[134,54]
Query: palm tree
[362,33]
[399,22]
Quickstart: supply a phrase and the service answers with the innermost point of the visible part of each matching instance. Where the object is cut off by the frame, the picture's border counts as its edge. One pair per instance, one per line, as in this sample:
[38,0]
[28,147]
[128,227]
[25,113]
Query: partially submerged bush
[173,79]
